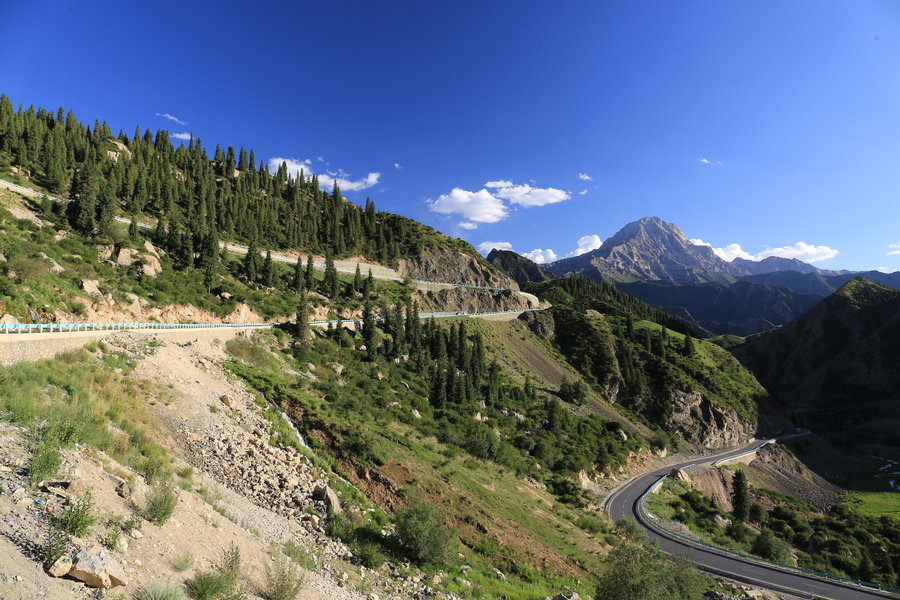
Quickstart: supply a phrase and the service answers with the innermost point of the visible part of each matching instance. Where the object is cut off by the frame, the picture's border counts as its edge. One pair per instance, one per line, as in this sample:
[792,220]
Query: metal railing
[653,524]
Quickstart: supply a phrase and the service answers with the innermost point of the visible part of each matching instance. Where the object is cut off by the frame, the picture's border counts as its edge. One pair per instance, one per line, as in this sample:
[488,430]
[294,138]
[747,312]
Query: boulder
[126,257]
[324,493]
[104,252]
[96,567]
[721,521]
[151,249]
[150,266]
[680,475]
[8,319]
[61,566]
[90,286]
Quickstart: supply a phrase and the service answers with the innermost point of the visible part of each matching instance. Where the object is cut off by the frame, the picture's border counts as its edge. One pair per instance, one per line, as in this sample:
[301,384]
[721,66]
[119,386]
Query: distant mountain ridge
[651,249]
[519,268]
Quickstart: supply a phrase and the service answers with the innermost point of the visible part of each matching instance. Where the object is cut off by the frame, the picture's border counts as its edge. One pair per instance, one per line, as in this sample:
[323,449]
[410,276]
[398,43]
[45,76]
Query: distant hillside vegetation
[836,367]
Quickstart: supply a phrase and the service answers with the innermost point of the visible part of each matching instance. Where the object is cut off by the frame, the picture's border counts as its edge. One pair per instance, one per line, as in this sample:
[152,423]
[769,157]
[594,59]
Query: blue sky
[761,123]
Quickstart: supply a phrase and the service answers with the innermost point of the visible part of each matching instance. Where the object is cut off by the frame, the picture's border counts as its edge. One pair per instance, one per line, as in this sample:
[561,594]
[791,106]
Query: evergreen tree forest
[196,196]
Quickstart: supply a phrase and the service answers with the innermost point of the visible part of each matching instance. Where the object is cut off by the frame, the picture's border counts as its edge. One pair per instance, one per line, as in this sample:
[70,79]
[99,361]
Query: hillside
[835,367]
[196,197]
[518,267]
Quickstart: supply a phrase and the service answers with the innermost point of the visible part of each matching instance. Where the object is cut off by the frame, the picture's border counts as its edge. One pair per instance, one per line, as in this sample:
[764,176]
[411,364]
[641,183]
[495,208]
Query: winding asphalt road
[624,502]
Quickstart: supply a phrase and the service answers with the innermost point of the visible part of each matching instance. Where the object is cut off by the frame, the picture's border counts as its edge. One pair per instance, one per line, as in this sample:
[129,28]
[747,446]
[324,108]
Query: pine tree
[297,279]
[688,349]
[740,496]
[357,280]
[302,332]
[330,282]
[309,275]
[250,266]
[268,270]
[369,285]
[368,331]
[209,257]
[133,231]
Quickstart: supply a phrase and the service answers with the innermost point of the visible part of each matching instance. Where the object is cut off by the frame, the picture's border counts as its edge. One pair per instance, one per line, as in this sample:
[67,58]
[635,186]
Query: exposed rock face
[696,419]
[453,266]
[91,287]
[518,267]
[472,300]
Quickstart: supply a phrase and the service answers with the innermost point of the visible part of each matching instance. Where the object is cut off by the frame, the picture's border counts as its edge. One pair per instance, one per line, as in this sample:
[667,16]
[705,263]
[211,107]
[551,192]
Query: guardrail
[26,328]
[231,245]
[654,525]
[722,461]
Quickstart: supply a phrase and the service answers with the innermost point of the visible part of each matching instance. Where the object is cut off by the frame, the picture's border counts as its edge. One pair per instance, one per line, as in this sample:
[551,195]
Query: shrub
[45,463]
[283,580]
[160,504]
[767,546]
[78,517]
[159,590]
[55,546]
[422,532]
[183,561]
[209,585]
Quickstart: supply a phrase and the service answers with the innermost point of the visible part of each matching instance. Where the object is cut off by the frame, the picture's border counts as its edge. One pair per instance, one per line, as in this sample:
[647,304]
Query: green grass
[875,504]
[161,503]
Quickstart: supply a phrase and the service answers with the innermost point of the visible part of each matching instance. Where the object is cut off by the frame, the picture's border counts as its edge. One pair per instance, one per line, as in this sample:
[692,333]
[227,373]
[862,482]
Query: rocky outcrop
[452,266]
[471,300]
[698,420]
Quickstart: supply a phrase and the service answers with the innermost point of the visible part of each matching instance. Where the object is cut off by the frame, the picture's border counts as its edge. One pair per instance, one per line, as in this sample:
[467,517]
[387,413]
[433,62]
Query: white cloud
[582,192]
[705,161]
[468,225]
[527,196]
[486,247]
[586,243]
[585,177]
[398,166]
[895,249]
[491,203]
[708,161]
[478,207]
[328,178]
[733,251]
[893,252]
[171,118]
[541,256]
[182,136]
[801,251]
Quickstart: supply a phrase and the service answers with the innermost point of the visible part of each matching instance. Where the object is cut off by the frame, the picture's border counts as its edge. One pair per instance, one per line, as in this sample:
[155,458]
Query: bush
[221,582]
[182,562]
[160,504]
[767,546]
[78,517]
[45,463]
[159,590]
[55,546]
[422,532]
[283,580]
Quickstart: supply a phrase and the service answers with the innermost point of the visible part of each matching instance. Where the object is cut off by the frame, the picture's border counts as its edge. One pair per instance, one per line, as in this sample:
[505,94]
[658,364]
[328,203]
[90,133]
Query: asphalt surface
[624,502]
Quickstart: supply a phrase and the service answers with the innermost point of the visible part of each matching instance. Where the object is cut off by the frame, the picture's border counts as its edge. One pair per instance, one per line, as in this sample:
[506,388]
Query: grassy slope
[501,520]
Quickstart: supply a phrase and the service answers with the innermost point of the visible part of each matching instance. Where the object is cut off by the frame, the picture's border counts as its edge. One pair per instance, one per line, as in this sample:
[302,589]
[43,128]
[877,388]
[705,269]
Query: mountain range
[655,261]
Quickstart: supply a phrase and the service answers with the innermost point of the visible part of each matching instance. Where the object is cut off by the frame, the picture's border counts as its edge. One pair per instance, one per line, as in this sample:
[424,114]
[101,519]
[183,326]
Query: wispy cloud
[709,161]
[585,177]
[468,225]
[326,178]
[171,118]
[491,203]
[801,251]
[182,136]
[398,166]
[486,247]
[583,192]
[895,249]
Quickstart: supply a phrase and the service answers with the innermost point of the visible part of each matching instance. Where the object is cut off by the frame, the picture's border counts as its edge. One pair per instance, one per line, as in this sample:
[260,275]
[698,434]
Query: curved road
[624,503]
